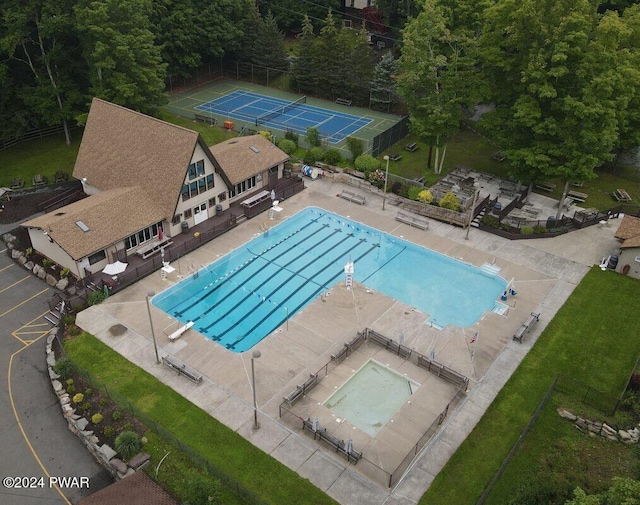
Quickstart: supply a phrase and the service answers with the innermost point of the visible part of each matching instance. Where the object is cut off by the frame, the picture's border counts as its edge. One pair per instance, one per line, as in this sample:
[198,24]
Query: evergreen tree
[383,84]
[305,66]
[271,43]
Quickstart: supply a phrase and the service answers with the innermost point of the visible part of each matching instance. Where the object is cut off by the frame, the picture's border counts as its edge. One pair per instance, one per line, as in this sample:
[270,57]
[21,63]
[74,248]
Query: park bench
[343,101]
[39,180]
[411,147]
[339,445]
[352,197]
[546,186]
[153,247]
[621,195]
[60,176]
[349,347]
[182,368]
[389,344]
[526,326]
[577,196]
[17,183]
[443,372]
[301,390]
[417,222]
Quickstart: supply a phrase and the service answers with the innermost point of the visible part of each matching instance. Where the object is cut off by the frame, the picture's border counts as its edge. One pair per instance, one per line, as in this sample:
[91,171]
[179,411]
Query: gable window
[198,181]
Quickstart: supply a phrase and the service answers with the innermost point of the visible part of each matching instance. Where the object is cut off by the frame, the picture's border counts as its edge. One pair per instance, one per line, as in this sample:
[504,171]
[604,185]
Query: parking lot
[36,444]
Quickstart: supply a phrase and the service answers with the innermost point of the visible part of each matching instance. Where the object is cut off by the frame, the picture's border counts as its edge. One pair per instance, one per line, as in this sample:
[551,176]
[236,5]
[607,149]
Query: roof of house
[243,157]
[138,488]
[124,148]
[109,215]
[629,232]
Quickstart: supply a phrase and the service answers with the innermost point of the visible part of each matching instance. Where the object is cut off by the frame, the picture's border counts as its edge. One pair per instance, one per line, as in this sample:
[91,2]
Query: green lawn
[227,450]
[594,338]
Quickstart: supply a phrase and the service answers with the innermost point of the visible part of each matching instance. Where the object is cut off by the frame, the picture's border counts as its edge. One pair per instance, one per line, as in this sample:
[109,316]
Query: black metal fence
[176,83]
[389,137]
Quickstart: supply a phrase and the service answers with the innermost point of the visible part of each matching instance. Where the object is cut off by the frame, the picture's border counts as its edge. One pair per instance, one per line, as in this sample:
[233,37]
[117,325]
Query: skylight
[82,226]
[254,149]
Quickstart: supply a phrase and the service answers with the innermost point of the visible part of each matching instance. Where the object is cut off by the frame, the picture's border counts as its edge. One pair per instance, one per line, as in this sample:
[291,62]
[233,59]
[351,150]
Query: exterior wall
[53,251]
[261,184]
[628,257]
[203,198]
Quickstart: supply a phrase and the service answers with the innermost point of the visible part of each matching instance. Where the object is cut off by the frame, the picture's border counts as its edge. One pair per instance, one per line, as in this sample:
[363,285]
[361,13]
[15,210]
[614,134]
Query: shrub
[425,196]
[450,201]
[78,398]
[88,392]
[64,273]
[413,192]
[69,320]
[46,262]
[109,431]
[103,401]
[526,230]
[86,406]
[539,229]
[401,189]
[266,134]
[356,146]
[71,388]
[117,415]
[376,178]
[312,155]
[64,368]
[97,418]
[292,136]
[366,163]
[70,382]
[201,489]
[313,137]
[332,156]
[127,427]
[288,146]
[28,252]
[127,444]
[74,330]
[490,220]
[96,297]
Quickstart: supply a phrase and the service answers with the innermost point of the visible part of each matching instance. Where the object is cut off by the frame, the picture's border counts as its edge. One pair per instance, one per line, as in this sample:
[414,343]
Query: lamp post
[386,178]
[254,356]
[151,294]
[476,192]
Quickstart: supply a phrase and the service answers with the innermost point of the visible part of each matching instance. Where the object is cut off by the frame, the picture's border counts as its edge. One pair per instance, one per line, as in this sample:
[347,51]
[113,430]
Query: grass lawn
[594,338]
[224,448]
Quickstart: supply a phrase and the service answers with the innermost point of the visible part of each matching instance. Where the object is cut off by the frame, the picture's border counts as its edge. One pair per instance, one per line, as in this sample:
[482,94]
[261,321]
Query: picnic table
[395,156]
[17,183]
[621,195]
[577,196]
[39,180]
[411,147]
[546,186]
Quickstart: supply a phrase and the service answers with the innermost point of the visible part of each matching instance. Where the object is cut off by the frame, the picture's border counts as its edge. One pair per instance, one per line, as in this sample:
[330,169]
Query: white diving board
[178,333]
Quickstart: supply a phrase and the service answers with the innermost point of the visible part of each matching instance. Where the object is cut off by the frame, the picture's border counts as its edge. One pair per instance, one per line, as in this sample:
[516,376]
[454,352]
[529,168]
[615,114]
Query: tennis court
[285,115]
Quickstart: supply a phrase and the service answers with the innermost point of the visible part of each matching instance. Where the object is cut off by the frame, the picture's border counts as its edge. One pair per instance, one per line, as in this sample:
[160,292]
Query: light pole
[476,192]
[386,178]
[151,294]
[254,356]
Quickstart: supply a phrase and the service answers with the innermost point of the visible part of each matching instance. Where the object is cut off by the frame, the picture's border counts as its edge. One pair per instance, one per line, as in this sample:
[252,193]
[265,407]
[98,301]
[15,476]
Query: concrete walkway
[545,271]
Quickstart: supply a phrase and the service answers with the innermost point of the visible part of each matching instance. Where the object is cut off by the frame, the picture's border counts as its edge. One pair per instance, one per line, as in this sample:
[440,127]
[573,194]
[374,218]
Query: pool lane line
[23,302]
[19,423]
[15,283]
[384,264]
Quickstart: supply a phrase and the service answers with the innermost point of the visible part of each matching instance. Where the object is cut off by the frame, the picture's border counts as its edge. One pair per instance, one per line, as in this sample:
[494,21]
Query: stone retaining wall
[596,428]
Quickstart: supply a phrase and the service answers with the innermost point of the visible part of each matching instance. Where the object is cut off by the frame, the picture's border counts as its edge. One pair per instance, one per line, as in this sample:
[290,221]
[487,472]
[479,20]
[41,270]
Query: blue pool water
[245,295]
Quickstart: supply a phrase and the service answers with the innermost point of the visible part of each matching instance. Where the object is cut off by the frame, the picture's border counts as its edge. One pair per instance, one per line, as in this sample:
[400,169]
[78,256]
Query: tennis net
[263,118]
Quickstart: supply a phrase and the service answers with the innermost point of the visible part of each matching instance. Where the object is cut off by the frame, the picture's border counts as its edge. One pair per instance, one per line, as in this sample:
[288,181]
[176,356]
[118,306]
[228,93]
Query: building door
[200,213]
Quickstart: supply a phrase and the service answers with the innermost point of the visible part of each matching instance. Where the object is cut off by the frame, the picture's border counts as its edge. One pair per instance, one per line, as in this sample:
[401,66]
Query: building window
[97,257]
[222,196]
[176,219]
[242,187]
[210,181]
[200,167]
[185,192]
[212,202]
[638,259]
[142,236]
[187,213]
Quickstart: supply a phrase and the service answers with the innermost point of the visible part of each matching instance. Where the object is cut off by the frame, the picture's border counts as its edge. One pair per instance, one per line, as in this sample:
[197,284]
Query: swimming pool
[245,295]
[371,396]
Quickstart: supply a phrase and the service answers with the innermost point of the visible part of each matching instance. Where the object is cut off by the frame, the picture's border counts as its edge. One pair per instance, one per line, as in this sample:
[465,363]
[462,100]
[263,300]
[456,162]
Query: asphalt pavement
[37,449]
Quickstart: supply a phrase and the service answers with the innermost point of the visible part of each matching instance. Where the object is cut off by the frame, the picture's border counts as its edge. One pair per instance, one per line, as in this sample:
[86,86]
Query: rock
[23,261]
[72,290]
[81,423]
[624,435]
[566,414]
[15,254]
[10,246]
[612,437]
[42,273]
[119,465]
[138,460]
[36,268]
[8,238]
[62,284]
[64,399]
[87,433]
[107,452]
[52,374]
[51,280]
[51,359]
[57,386]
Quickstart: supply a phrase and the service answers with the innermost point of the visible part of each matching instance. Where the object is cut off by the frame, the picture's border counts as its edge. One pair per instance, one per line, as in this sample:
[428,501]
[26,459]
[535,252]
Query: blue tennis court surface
[297,117]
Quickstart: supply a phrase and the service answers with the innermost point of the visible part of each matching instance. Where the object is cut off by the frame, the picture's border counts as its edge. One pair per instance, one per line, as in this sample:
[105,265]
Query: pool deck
[545,272]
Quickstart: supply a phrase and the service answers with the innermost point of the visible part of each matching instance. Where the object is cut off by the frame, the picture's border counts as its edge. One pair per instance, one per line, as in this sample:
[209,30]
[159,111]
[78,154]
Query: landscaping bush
[490,220]
[266,134]
[69,320]
[128,444]
[64,368]
[78,398]
[313,137]
[96,297]
[117,415]
[292,136]
[366,163]
[109,431]
[413,192]
[70,387]
[376,178]
[356,146]
[539,229]
[526,230]
[450,201]
[312,155]
[64,273]
[288,146]
[425,196]
[201,489]
[74,330]
[97,418]
[332,156]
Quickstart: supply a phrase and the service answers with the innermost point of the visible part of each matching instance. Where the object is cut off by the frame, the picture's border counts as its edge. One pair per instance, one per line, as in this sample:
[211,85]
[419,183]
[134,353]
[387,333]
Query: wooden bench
[621,195]
[17,183]
[60,176]
[443,372]
[577,196]
[352,197]
[153,247]
[417,222]
[389,344]
[526,326]
[39,180]
[182,368]
[546,186]
[180,331]
[301,390]
[339,445]
[411,147]
[344,101]
[349,347]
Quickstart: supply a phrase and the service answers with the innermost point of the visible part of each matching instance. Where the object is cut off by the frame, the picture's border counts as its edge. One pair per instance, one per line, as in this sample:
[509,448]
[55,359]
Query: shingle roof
[123,148]
[138,489]
[244,157]
[110,215]
[629,232]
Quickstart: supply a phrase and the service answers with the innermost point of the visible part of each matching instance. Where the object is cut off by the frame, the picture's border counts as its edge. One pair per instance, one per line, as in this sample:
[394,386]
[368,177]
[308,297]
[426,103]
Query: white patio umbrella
[115,268]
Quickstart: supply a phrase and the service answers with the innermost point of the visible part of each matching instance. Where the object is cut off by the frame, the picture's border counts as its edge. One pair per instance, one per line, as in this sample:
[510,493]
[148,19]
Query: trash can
[551,221]
[613,262]
[218,208]
[185,226]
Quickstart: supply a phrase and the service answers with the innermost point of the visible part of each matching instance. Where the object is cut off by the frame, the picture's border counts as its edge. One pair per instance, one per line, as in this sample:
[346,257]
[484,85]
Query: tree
[437,78]
[40,36]
[383,84]
[624,491]
[551,78]
[305,68]
[125,65]
[219,24]
[271,42]
[291,14]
